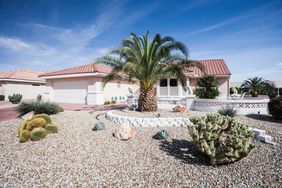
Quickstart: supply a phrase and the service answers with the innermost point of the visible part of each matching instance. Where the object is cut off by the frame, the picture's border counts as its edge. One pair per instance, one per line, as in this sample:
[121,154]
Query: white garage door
[70,91]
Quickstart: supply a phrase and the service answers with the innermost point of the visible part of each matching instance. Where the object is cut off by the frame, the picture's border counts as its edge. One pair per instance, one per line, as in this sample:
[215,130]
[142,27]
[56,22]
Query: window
[163,83]
[35,84]
[173,82]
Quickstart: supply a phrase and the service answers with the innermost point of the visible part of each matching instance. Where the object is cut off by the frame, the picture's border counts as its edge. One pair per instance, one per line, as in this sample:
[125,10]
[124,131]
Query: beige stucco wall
[94,84]
[26,89]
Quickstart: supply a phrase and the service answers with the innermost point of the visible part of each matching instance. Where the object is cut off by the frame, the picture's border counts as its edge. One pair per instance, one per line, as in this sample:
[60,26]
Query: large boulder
[180,108]
[125,132]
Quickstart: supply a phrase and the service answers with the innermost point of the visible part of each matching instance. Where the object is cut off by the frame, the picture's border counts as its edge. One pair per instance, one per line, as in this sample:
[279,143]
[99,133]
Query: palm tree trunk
[147,100]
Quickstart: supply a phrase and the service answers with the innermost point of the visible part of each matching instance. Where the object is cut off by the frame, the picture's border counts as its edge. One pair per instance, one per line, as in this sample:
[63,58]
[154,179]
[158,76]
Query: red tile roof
[27,75]
[216,67]
[89,68]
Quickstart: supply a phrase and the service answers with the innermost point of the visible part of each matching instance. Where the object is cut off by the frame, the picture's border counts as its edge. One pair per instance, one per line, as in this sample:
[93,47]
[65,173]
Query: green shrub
[228,111]
[15,98]
[107,102]
[38,133]
[2,97]
[208,87]
[221,138]
[39,107]
[275,107]
[113,102]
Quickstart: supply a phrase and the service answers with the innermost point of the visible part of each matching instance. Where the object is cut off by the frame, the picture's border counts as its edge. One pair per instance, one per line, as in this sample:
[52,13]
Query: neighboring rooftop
[216,67]
[22,75]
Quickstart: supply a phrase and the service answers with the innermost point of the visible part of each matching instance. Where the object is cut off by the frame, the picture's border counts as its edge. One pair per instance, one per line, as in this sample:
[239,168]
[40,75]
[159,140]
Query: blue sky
[54,34]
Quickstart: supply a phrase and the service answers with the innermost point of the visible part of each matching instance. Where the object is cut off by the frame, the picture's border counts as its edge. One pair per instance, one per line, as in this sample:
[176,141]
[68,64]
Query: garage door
[70,91]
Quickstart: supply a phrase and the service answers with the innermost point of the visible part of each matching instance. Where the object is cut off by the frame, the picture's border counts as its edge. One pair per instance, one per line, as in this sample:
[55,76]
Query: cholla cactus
[221,138]
[163,134]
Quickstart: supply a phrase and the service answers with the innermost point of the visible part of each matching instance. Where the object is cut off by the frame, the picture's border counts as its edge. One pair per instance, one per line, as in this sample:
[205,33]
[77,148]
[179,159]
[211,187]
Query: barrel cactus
[38,133]
[221,138]
[99,126]
[163,134]
[50,128]
[24,135]
[44,116]
[36,128]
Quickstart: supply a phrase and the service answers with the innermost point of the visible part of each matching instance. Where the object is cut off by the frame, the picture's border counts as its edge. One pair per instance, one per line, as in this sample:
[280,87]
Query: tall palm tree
[146,63]
[253,85]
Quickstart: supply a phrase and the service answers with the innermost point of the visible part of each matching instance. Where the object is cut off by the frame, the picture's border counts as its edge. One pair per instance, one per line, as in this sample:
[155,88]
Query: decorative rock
[99,126]
[180,108]
[163,134]
[125,132]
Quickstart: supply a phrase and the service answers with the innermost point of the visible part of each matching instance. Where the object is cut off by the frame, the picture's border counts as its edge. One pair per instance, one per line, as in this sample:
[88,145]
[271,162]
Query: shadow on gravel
[185,151]
[262,117]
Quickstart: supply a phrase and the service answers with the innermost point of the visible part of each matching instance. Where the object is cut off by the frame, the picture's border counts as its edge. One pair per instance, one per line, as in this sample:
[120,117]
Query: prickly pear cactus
[163,134]
[99,126]
[221,138]
[36,128]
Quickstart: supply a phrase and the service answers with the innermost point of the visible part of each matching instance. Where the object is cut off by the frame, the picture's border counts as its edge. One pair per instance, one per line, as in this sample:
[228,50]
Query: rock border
[147,122]
[260,134]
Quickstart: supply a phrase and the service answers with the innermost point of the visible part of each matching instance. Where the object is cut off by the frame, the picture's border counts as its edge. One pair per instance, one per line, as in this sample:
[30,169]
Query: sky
[56,34]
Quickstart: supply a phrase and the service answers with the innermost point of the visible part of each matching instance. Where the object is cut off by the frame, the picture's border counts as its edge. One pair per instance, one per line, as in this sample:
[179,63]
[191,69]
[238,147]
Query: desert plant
[275,107]
[221,138]
[107,102]
[24,135]
[38,108]
[50,128]
[269,89]
[163,134]
[36,122]
[208,87]
[44,116]
[113,102]
[253,85]
[2,97]
[148,62]
[15,98]
[99,126]
[38,133]
[228,111]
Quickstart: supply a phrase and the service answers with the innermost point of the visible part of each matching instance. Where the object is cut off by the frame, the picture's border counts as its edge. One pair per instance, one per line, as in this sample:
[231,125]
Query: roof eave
[21,80]
[73,75]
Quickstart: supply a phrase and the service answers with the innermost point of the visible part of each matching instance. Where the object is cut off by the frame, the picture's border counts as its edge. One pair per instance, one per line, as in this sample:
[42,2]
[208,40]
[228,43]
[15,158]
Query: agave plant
[253,85]
[147,62]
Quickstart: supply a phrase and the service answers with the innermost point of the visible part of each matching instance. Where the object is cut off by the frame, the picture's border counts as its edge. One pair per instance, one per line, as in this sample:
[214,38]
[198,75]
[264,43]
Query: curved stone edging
[147,122]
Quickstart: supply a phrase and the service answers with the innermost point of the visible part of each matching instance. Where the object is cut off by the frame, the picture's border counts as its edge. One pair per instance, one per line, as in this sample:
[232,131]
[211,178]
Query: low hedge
[39,107]
[275,107]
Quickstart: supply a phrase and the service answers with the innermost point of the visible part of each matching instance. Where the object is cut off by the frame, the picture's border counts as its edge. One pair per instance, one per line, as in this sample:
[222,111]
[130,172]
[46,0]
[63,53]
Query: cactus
[44,116]
[163,134]
[221,138]
[50,128]
[24,135]
[99,126]
[36,122]
[38,133]
[22,127]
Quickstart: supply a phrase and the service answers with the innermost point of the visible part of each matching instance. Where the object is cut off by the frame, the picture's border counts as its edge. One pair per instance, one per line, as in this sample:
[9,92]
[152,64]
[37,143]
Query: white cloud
[13,44]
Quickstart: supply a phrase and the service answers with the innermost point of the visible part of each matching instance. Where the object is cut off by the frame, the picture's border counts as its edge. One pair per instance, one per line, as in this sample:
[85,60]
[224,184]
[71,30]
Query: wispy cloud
[13,44]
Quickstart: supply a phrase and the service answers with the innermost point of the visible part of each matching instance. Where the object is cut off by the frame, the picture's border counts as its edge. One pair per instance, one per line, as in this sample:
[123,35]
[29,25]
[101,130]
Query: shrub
[207,88]
[99,126]
[221,138]
[2,97]
[113,102]
[15,98]
[275,107]
[228,111]
[107,102]
[38,108]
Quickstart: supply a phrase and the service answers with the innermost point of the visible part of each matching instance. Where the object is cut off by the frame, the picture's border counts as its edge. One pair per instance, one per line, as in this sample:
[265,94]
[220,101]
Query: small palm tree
[146,63]
[253,85]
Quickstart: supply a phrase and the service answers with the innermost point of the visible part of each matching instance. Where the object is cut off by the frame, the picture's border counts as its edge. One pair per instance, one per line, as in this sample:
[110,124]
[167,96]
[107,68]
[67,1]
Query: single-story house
[25,82]
[83,84]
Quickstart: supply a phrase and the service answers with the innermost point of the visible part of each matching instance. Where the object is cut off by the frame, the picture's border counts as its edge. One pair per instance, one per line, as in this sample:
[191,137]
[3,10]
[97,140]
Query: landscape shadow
[263,117]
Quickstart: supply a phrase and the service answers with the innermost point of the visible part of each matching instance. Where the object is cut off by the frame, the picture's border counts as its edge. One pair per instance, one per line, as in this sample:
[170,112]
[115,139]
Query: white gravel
[79,157]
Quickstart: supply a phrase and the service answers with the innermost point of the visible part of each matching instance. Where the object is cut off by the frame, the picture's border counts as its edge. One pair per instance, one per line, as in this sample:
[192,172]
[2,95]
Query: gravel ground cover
[79,157]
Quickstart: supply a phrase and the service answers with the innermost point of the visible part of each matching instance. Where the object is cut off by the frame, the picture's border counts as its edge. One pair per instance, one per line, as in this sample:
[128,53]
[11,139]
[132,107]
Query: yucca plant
[138,59]
[39,107]
[228,111]
[253,85]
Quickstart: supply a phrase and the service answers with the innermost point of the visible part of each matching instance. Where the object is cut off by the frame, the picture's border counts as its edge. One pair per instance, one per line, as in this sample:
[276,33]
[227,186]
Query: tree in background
[207,87]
